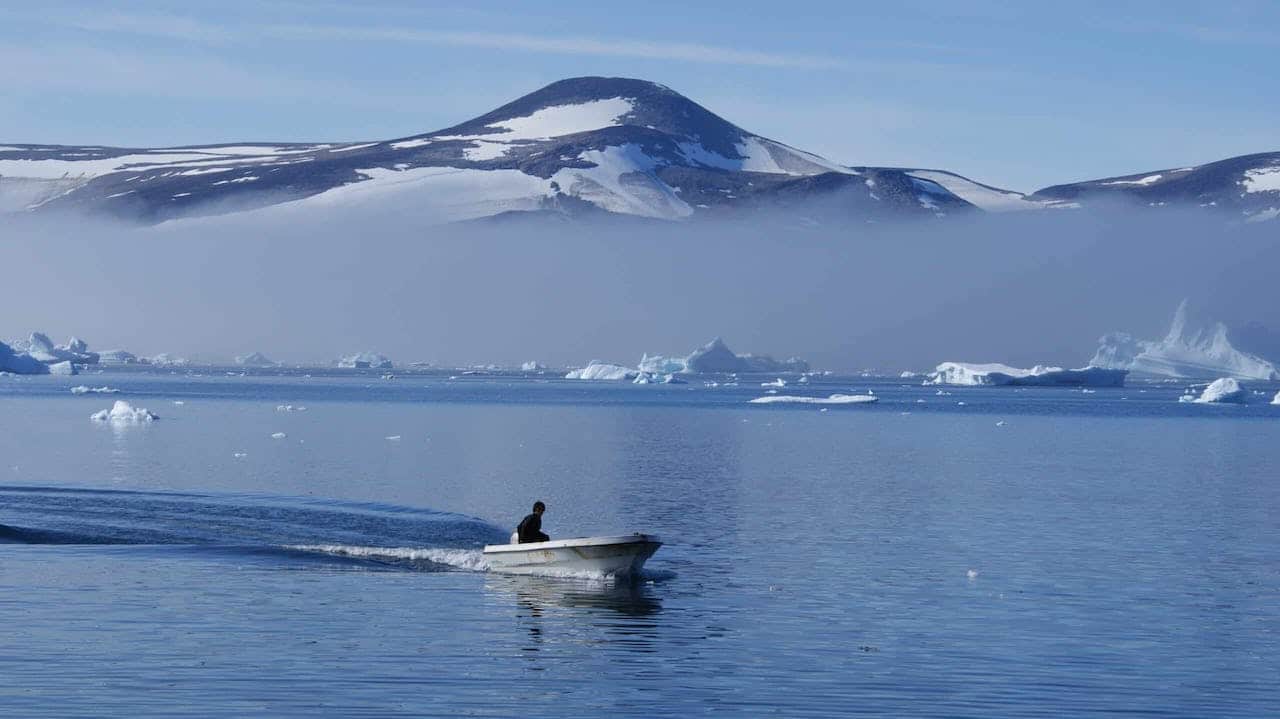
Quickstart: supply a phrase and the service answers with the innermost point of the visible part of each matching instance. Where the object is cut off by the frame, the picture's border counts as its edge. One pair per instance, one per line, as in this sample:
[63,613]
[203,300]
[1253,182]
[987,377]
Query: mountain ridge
[619,145]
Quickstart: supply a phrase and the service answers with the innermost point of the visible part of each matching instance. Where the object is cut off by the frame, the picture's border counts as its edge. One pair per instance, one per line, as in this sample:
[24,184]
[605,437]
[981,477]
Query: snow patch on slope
[1266,179]
[986,198]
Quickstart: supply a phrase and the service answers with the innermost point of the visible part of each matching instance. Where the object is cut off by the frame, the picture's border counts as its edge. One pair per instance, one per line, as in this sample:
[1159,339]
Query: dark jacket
[530,530]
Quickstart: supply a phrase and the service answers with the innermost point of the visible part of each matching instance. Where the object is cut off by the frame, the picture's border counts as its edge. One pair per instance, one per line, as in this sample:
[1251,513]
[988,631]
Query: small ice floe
[1277,399]
[972,574]
[1086,390]
[388,376]
[84,389]
[1220,391]
[779,382]
[1000,423]
[803,380]
[824,409]
[124,413]
[278,435]
[833,399]
[393,438]
[290,408]
[240,455]
[942,393]
[920,401]
[961,403]
[179,402]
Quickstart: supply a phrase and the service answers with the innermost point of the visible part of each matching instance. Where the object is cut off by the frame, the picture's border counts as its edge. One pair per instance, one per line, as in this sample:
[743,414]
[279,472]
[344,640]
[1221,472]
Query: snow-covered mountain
[584,144]
[1246,186]
[579,146]
[1194,347]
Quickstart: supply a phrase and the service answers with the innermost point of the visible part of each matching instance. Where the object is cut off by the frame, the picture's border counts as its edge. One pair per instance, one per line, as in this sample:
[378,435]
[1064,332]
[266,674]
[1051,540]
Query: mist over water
[309,285]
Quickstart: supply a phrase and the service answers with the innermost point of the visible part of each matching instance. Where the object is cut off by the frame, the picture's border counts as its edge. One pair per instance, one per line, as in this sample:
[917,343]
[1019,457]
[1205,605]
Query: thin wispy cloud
[570,45]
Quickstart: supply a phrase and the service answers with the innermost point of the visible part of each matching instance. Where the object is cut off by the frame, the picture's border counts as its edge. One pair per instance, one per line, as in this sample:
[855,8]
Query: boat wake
[366,534]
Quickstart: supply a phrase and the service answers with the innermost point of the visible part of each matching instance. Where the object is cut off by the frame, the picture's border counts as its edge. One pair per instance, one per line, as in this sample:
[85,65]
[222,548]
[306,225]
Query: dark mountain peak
[641,103]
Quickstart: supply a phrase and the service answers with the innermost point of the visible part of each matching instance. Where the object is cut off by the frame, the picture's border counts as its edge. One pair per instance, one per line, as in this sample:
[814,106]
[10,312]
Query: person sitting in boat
[530,529]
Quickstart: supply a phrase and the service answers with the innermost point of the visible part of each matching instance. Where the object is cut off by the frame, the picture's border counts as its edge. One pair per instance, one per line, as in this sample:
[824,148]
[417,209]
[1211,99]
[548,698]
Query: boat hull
[588,556]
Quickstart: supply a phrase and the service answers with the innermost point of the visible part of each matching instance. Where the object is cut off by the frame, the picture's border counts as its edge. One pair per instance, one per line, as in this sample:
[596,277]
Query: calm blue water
[1097,553]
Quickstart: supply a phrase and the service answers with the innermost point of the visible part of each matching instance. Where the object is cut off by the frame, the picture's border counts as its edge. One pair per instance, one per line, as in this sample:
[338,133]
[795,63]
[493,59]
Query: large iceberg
[1193,347]
[716,357]
[365,360]
[961,373]
[603,371]
[76,350]
[254,359]
[1220,391]
[20,362]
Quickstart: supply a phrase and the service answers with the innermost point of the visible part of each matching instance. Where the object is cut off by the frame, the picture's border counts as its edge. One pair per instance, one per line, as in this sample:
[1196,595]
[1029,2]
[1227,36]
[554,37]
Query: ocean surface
[302,543]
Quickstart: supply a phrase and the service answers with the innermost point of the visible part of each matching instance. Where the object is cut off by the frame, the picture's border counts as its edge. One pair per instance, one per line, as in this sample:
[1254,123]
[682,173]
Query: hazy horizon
[309,287]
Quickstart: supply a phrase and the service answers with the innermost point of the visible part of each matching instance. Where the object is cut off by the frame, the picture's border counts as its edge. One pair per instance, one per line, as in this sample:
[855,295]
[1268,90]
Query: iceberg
[124,413]
[1277,399]
[20,362]
[1193,347]
[960,373]
[833,399]
[117,357]
[531,367]
[76,350]
[63,368]
[716,357]
[164,359]
[365,360]
[1225,390]
[254,359]
[604,371]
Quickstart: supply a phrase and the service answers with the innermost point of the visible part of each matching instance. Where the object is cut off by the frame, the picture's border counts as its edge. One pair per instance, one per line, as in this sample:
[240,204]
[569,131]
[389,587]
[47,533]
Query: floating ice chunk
[1221,391]
[531,366]
[972,574]
[908,374]
[393,438]
[124,413]
[1277,399]
[779,382]
[833,399]
[240,455]
[290,408]
[603,371]
[83,389]
[278,435]
[961,373]
[179,402]
[1000,423]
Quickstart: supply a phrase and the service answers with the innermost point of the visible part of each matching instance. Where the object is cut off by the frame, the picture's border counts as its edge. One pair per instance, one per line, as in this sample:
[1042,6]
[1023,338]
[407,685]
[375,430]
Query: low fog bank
[311,286]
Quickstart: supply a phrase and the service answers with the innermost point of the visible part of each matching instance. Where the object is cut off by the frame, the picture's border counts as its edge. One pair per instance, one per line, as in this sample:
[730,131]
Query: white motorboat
[619,555]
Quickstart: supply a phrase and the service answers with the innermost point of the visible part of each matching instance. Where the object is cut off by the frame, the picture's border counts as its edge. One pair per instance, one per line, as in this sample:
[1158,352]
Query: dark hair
[539,506]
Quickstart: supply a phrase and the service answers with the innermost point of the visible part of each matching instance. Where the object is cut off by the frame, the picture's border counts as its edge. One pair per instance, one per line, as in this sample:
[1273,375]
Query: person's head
[539,507]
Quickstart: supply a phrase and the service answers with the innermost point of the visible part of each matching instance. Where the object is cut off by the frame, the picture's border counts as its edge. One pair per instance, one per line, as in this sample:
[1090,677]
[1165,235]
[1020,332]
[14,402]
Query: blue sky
[1020,95]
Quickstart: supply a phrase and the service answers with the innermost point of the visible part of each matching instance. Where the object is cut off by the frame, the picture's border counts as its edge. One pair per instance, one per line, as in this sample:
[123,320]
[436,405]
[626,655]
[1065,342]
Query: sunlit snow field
[1028,552]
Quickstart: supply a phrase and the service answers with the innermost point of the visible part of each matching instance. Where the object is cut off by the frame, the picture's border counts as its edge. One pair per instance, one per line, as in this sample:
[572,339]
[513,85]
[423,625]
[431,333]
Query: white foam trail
[469,559]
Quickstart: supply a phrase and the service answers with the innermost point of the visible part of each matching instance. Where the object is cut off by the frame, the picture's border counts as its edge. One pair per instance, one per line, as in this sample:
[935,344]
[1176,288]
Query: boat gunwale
[573,542]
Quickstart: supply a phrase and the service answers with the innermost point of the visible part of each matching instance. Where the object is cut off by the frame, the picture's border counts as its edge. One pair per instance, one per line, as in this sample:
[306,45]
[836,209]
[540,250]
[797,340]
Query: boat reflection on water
[621,595]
